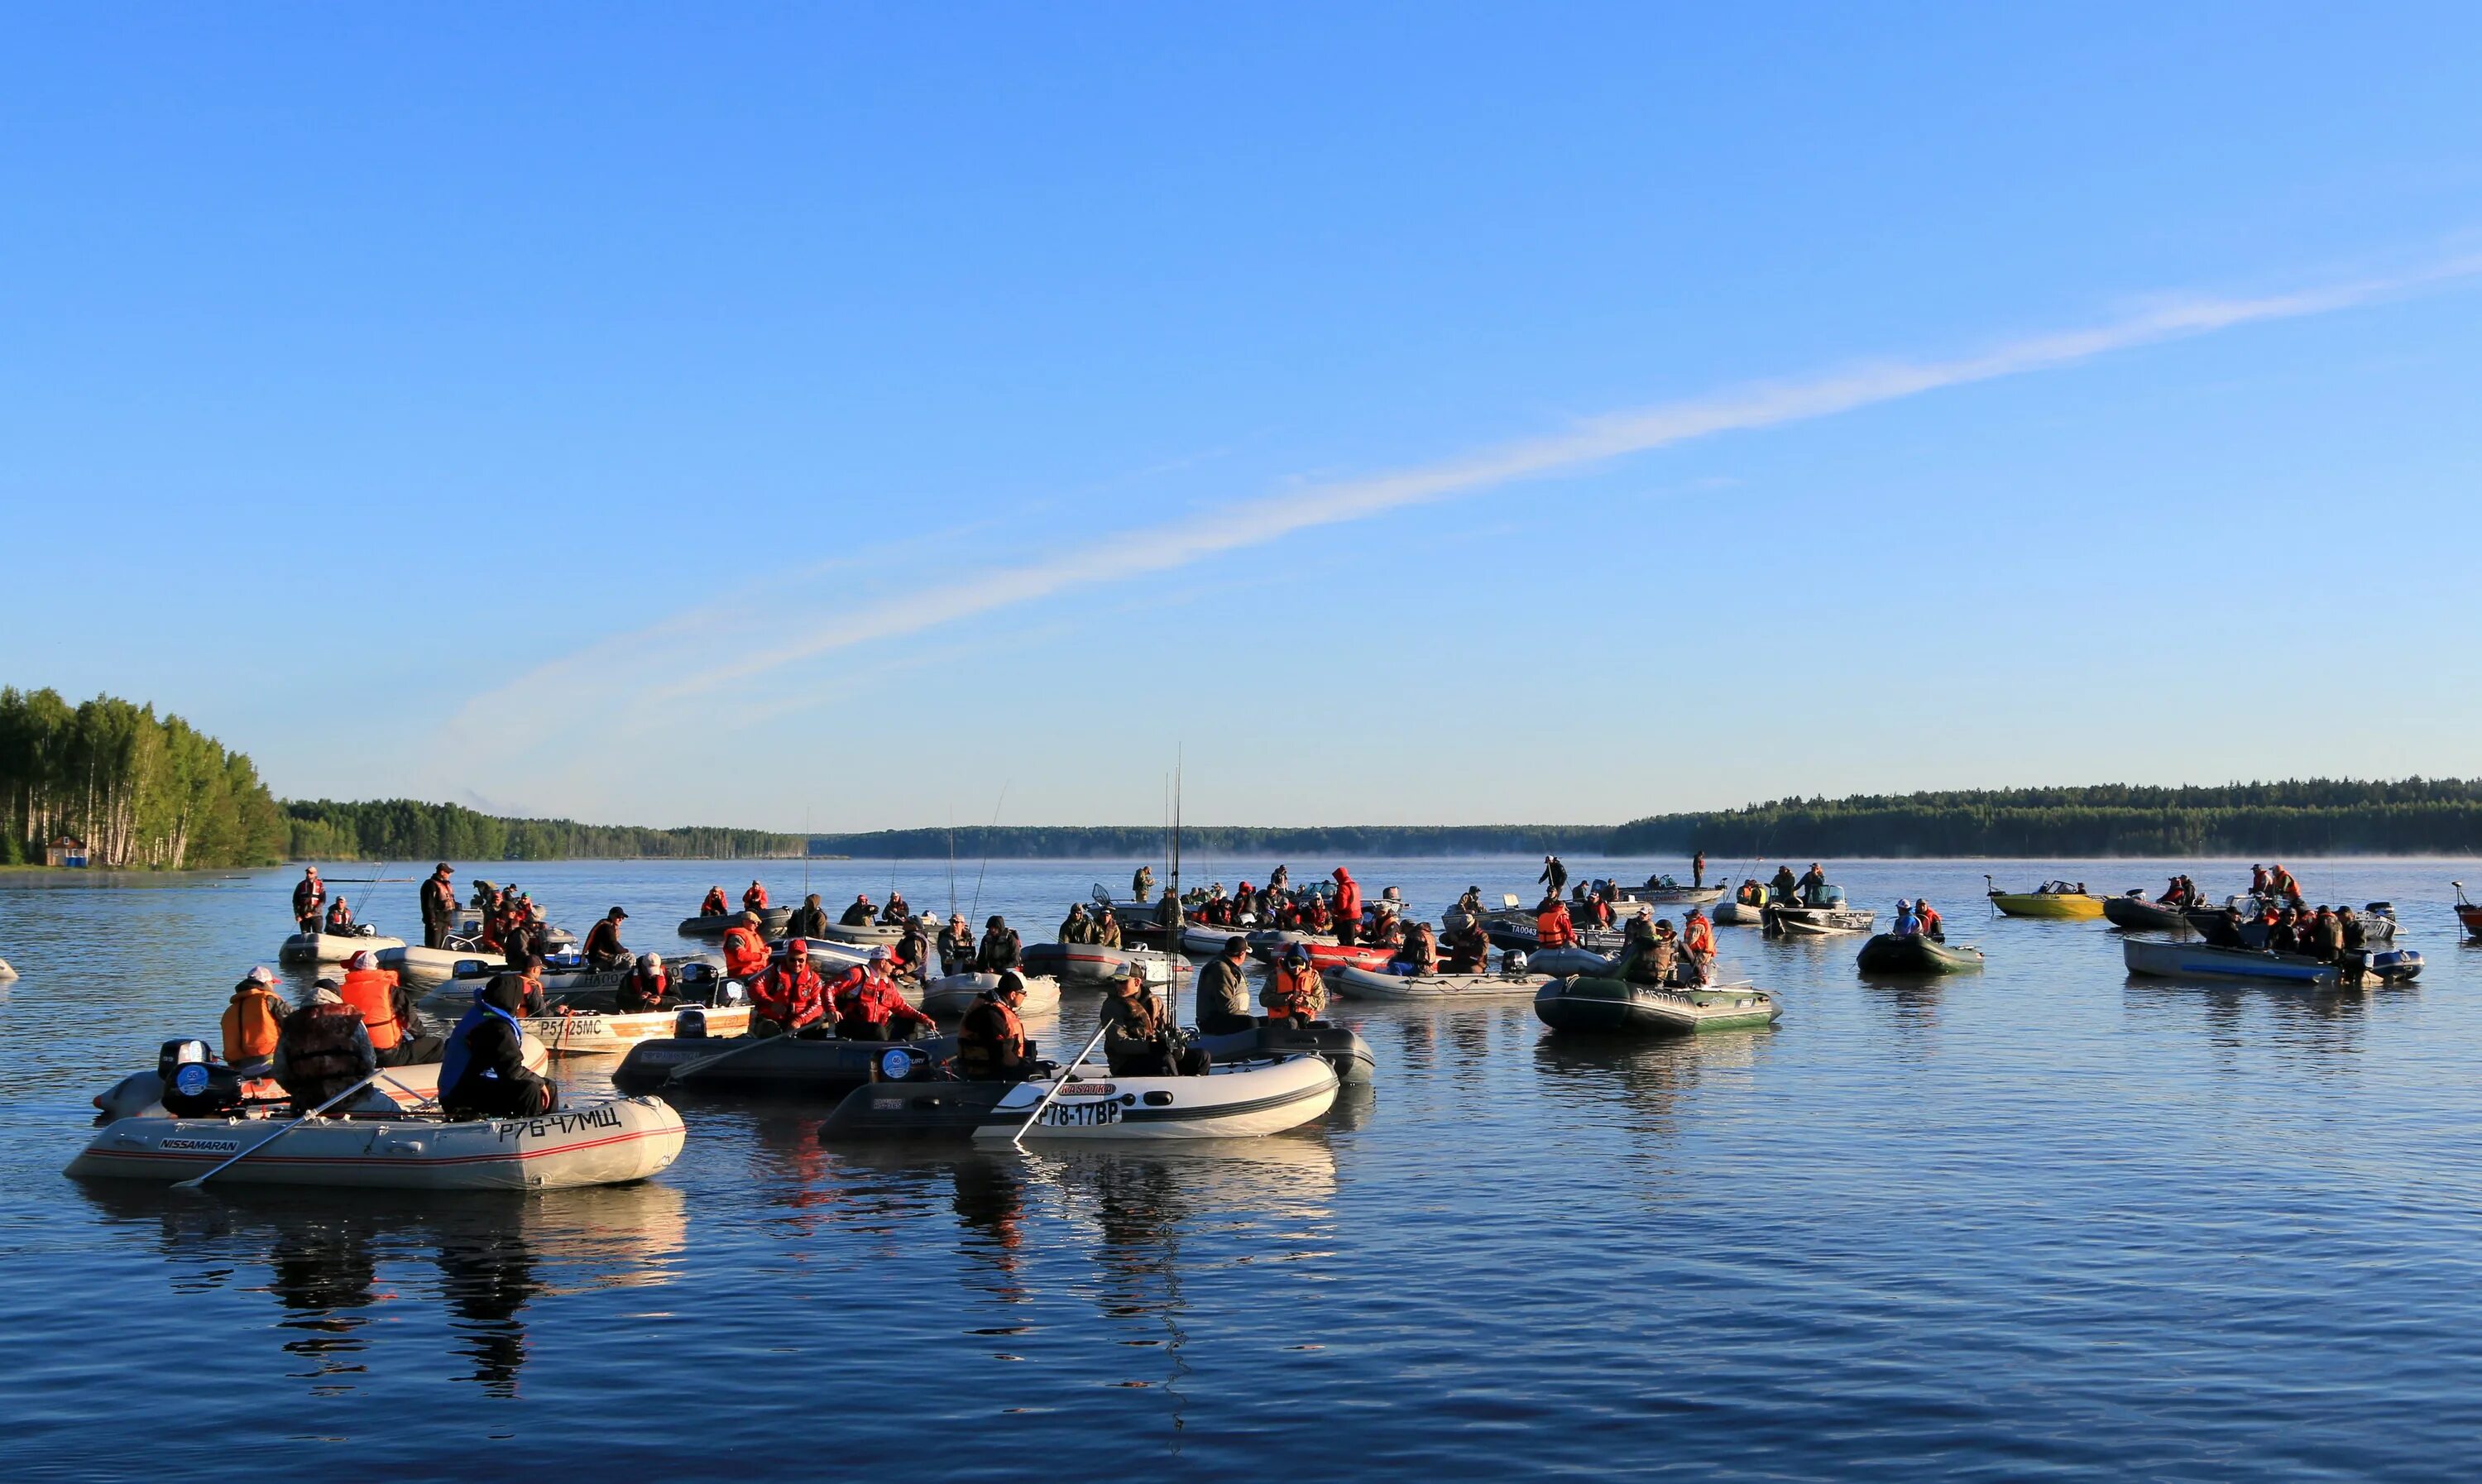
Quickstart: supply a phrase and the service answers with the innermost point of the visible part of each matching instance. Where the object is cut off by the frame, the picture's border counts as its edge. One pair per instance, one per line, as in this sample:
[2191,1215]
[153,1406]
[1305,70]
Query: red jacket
[1553,930]
[791,994]
[745,952]
[755,898]
[875,1002]
[1348,897]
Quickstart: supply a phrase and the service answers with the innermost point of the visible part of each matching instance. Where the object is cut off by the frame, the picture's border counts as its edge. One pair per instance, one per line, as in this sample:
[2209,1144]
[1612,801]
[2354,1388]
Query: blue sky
[766,414]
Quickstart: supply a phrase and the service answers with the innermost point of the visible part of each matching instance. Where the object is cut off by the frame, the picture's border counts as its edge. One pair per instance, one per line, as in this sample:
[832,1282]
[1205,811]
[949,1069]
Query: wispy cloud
[1154,549]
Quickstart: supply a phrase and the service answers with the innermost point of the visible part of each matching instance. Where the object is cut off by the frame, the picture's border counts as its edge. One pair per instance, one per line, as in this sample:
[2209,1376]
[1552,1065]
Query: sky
[854,417]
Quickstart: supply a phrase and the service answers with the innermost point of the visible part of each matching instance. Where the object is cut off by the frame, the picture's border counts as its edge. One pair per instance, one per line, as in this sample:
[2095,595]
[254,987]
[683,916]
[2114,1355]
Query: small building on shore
[65,850]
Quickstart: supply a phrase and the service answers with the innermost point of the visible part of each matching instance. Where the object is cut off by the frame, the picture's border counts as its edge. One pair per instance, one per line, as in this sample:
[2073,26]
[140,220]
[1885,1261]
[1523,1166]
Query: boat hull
[1739,914]
[772,923]
[2137,913]
[948,999]
[2175,959]
[1816,921]
[1345,1052]
[2070,905]
[1617,1007]
[1914,954]
[332,947]
[603,1144]
[140,1093]
[1091,963]
[1236,1101]
[1434,989]
[781,1066]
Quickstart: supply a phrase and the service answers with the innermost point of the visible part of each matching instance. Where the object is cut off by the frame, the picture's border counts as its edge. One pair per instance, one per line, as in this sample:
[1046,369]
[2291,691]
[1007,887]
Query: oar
[1068,1074]
[193,1184]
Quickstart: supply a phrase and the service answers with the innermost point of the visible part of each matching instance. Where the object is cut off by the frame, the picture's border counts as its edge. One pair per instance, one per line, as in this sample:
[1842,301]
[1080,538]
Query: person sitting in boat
[395,1028]
[870,1007]
[714,904]
[530,985]
[340,921]
[648,988]
[1417,954]
[745,949]
[1905,925]
[1813,886]
[755,897]
[1751,893]
[1142,885]
[1245,902]
[1552,926]
[1295,995]
[1468,949]
[321,1050]
[789,999]
[254,1020]
[1107,928]
[991,1041]
[2223,930]
[1782,889]
[1933,925]
[525,937]
[2324,937]
[1001,949]
[1224,992]
[1167,911]
[809,920]
[1640,929]
[2283,933]
[1348,907]
[1076,927]
[1389,932]
[1138,1039]
[895,911]
[1315,918]
[912,952]
[603,950]
[957,945]
[858,913]
[1697,947]
[484,1074]
[1598,912]
[1653,959]
[1470,904]
[309,896]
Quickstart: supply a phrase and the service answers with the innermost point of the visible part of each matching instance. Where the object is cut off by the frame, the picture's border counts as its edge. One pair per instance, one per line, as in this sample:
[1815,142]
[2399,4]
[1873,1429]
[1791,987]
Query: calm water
[2046,1219]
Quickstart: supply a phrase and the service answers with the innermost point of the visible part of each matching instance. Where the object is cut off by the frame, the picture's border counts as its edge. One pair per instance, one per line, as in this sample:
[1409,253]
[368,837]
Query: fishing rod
[976,910]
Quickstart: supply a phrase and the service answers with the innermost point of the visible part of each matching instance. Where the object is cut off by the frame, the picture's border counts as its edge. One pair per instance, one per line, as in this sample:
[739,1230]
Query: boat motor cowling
[689,1023]
[176,1055]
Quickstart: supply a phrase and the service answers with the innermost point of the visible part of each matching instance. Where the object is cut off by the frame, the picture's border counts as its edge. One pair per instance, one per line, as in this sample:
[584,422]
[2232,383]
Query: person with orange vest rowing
[1295,995]
[389,1017]
[755,899]
[254,1020]
[745,951]
[870,1007]
[714,905]
[603,950]
[789,999]
[1552,927]
[1348,906]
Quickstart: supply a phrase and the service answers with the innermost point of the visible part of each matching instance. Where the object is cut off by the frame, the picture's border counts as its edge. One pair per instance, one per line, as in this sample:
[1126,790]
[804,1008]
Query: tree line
[142,791]
[1152,843]
[2301,817]
[409,830]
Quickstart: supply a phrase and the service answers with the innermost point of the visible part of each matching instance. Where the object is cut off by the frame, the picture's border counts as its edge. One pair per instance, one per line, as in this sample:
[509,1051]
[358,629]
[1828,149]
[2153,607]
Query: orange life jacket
[1293,993]
[1701,939]
[1930,922]
[1553,930]
[253,1021]
[755,899]
[714,905]
[373,992]
[745,952]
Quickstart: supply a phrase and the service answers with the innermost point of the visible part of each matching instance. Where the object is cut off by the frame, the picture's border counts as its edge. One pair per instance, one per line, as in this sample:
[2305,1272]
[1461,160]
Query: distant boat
[2051,899]
[1913,953]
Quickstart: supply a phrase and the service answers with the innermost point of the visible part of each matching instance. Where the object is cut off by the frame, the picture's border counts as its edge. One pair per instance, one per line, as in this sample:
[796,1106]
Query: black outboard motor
[689,1023]
[195,1086]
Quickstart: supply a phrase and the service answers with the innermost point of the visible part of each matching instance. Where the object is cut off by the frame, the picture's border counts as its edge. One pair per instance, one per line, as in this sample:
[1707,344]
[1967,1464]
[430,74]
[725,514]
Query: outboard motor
[195,1086]
[689,1023]
[733,992]
[1512,962]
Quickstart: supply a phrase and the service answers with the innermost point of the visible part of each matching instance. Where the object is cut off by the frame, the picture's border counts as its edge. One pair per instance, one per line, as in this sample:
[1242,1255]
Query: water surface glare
[2044,1220]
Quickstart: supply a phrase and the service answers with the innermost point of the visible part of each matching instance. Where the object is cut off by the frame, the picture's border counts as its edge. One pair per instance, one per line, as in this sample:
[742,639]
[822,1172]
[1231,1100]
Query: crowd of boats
[1593,957]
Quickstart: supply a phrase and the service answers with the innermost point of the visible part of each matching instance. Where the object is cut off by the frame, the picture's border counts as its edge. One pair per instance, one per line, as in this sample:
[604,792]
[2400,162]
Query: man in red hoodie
[1348,906]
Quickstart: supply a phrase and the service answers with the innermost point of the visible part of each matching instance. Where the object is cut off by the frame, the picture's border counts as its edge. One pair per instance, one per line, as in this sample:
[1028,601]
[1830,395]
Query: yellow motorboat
[2051,899]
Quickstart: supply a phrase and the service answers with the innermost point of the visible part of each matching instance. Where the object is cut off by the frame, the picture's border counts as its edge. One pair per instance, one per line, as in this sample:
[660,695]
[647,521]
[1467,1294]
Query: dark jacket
[1223,997]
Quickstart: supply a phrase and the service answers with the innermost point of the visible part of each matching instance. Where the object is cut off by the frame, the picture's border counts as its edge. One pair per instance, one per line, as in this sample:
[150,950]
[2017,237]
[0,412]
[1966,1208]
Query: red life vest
[876,1002]
[1553,930]
[1290,994]
[1701,938]
[1930,922]
[714,905]
[745,952]
[373,992]
[755,898]
[790,995]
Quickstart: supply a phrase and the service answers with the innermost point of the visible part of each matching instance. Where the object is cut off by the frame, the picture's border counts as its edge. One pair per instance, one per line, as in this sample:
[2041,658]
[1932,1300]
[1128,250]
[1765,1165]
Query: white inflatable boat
[1238,1100]
[332,947]
[140,1093]
[949,998]
[611,1032]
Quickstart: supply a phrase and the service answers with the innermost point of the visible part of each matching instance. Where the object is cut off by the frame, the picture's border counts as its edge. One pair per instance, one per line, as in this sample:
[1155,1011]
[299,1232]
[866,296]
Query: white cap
[324,995]
[360,960]
[875,955]
[262,974]
[652,961]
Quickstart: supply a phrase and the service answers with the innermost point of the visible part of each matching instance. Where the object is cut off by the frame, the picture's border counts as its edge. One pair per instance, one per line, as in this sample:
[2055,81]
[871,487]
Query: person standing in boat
[990,1041]
[870,1007]
[2286,886]
[1295,995]
[438,899]
[714,905]
[484,1074]
[1697,869]
[1782,887]
[1142,883]
[1554,876]
[1348,907]
[309,898]
[809,919]
[1137,1038]
[1280,878]
[2325,938]
[1813,886]
[790,998]
[2260,883]
[957,945]
[1698,945]
[648,988]
[1167,913]
[603,950]
[1224,991]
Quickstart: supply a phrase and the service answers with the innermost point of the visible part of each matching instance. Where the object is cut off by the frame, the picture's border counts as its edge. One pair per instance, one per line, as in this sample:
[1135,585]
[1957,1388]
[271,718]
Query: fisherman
[388,1018]
[1389,932]
[647,988]
[1001,949]
[339,921]
[1640,929]
[1599,911]
[1167,913]
[323,1050]
[1933,925]
[1468,949]
[255,1020]
[991,1041]
[860,913]
[789,999]
[1295,995]
[957,945]
[1223,991]
[2285,935]
[1470,904]
[523,935]
[714,904]
[484,1074]
[1782,887]
[1814,885]
[530,977]
[809,919]
[1138,1037]
[2352,935]
[603,950]
[1697,869]
[1419,952]
[895,911]
[1552,926]
[1751,895]
[309,895]
[1142,883]
[1348,906]
[1906,925]
[1555,876]
[1280,878]
[1107,928]
[755,898]
[744,948]
[2286,886]
[1698,945]
[2325,938]
[1075,928]
[870,1007]
[913,951]
[2260,883]
[2223,930]
[437,898]
[1651,960]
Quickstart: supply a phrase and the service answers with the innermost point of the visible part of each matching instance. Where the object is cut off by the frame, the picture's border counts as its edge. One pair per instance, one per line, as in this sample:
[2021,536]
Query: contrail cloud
[1181,543]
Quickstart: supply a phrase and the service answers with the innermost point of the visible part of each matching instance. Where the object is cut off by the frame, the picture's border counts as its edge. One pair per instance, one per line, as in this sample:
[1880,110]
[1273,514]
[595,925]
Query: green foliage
[1149,843]
[143,791]
[409,830]
[2301,817]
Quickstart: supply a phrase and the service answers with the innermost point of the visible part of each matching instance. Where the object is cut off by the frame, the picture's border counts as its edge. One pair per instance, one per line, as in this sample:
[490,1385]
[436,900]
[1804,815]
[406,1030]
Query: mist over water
[2042,1219]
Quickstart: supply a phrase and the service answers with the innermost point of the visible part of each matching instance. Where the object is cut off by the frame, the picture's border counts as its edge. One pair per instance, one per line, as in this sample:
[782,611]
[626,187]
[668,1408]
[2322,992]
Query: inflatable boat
[1327,957]
[604,1142]
[1915,954]
[1815,921]
[1091,963]
[1570,961]
[1739,913]
[1652,895]
[579,1029]
[1619,1007]
[1236,1100]
[779,1067]
[772,923]
[949,998]
[1348,1053]
[2179,959]
[867,934]
[1434,989]
[2132,909]
[140,1093]
[333,948]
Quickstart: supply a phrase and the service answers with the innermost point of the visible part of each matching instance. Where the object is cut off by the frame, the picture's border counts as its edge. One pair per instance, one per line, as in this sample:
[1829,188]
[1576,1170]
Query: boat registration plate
[1081,1115]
